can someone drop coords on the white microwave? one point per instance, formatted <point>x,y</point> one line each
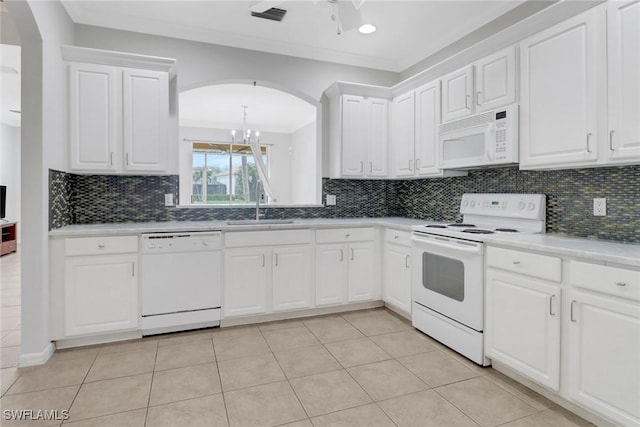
<point>481,140</point>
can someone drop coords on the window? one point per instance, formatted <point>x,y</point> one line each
<point>224,173</point>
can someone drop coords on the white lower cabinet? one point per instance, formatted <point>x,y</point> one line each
<point>604,351</point>
<point>291,278</point>
<point>362,280</point>
<point>245,281</point>
<point>396,285</point>
<point>522,328</point>
<point>101,294</point>
<point>331,274</point>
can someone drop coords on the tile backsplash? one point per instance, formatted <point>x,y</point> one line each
<point>86,199</point>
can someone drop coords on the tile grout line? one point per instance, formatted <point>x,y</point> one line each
<point>153,372</point>
<point>81,384</point>
<point>224,399</point>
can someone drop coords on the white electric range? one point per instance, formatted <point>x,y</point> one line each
<point>448,259</point>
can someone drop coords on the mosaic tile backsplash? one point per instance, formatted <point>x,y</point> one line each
<point>87,199</point>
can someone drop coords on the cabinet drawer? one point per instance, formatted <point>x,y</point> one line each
<point>339,235</point>
<point>615,281</point>
<point>541,266</point>
<point>398,237</point>
<point>100,245</point>
<point>266,238</point>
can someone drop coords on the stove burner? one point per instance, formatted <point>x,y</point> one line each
<point>436,226</point>
<point>507,230</point>
<point>461,224</point>
<point>477,231</point>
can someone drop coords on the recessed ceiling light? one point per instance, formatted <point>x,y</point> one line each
<point>367,29</point>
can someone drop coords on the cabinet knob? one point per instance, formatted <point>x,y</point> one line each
<point>396,237</point>
<point>621,284</point>
<point>347,235</point>
<point>516,262</point>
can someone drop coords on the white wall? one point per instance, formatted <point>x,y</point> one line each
<point>43,27</point>
<point>279,158</point>
<point>304,166</point>
<point>10,170</point>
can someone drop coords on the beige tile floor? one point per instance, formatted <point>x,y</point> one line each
<point>362,368</point>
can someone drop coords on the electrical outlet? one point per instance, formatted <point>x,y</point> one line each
<point>599,207</point>
<point>331,200</point>
<point>168,199</point>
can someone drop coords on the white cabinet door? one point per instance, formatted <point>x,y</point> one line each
<point>378,136</point>
<point>427,119</point>
<point>604,348</point>
<point>145,117</point>
<point>354,135</point>
<point>496,80</point>
<point>362,280</point>
<point>245,281</point>
<point>331,274</point>
<point>558,110</point>
<point>402,135</point>
<point>457,94</point>
<point>101,294</point>
<point>291,278</point>
<point>623,55</point>
<point>94,96</point>
<point>522,328</point>
<point>397,276</point>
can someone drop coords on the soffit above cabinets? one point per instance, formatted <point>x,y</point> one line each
<point>408,31</point>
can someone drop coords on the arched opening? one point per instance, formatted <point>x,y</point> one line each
<point>217,167</point>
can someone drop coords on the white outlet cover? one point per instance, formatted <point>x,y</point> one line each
<point>600,207</point>
<point>168,199</point>
<point>331,200</point>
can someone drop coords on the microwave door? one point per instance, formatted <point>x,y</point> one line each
<point>464,149</point>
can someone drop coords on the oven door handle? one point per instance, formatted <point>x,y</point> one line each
<point>452,244</point>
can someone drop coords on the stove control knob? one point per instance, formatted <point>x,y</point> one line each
<point>532,206</point>
<point>473,204</point>
<point>521,205</point>
<point>465,203</point>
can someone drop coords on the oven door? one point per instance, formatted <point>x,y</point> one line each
<point>448,277</point>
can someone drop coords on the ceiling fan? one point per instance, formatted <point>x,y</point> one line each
<point>345,13</point>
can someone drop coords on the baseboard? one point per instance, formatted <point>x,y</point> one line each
<point>34,359</point>
<point>98,339</point>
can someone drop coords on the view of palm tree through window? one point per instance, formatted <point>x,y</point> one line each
<point>224,173</point>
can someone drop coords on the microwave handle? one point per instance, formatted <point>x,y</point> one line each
<point>490,141</point>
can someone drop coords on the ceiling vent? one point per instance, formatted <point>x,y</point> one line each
<point>273,14</point>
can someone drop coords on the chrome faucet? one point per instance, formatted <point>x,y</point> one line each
<point>258,197</point>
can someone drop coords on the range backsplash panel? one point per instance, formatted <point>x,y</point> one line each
<point>86,199</point>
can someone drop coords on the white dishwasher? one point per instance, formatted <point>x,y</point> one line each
<point>181,275</point>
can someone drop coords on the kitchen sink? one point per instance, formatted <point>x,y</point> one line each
<point>260,221</point>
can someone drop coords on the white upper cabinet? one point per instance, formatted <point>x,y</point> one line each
<point>496,80</point>
<point>93,102</point>
<point>358,131</point>
<point>118,115</point>
<point>623,60</point>
<point>402,135</point>
<point>145,115</point>
<point>457,94</point>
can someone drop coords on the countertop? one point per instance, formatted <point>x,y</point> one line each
<point>596,250</point>
<point>183,226</point>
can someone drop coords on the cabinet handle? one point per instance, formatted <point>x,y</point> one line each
<point>127,158</point>
<point>589,142</point>
<point>276,258</point>
<point>341,255</point>
<point>111,158</point>
<point>611,140</point>
<point>263,260</point>
<point>621,284</point>
<point>466,101</point>
<point>410,166</point>
<point>417,164</point>
<point>101,246</point>
<point>406,261</point>
<point>133,269</point>
<point>478,98</point>
<point>396,237</point>
<point>361,166</point>
<point>370,167</point>
<point>573,319</point>
<point>551,305</point>
<point>516,262</point>
<point>347,235</point>
<point>352,254</point>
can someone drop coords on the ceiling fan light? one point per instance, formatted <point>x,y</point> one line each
<point>367,29</point>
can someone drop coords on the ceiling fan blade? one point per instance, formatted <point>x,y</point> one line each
<point>264,5</point>
<point>349,16</point>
